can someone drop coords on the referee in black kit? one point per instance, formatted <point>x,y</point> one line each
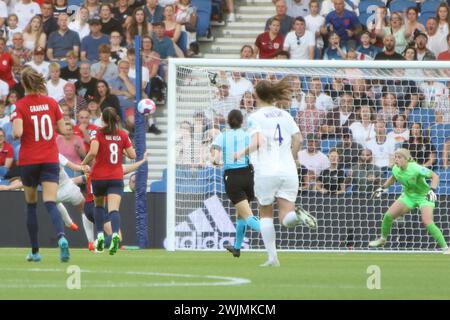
<point>238,176</point>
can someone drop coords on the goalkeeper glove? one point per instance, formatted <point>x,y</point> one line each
<point>431,196</point>
<point>377,193</point>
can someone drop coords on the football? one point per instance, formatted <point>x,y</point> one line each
<point>146,106</point>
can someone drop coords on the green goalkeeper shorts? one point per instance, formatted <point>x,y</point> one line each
<point>416,201</point>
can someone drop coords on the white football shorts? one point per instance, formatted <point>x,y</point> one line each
<point>69,193</point>
<point>268,188</point>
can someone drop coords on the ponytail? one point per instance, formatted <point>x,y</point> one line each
<point>274,92</point>
<point>33,82</point>
<point>111,121</point>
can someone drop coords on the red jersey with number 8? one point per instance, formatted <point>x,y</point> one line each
<point>38,142</point>
<point>108,162</point>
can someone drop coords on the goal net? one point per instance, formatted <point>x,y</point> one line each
<point>352,115</point>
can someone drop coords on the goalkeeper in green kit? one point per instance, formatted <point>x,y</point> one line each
<point>416,193</point>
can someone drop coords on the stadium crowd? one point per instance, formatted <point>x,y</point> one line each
<point>87,57</point>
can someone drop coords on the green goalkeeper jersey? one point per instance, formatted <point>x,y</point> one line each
<point>413,179</point>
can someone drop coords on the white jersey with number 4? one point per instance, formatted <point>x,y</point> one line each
<point>274,157</point>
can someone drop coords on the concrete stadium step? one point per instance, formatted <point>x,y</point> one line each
<point>244,25</point>
<point>260,8</point>
<point>254,17</point>
<point>249,39</point>
<point>221,55</point>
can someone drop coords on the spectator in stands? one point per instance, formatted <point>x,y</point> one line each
<point>422,151</point>
<point>138,25</point>
<point>131,187</point>
<point>297,8</point>
<point>247,52</point>
<point>382,148</point>
<point>132,69</point>
<point>360,93</point>
<point>84,128</point>
<point>389,52</point>
<point>200,127</point>
<point>123,87</point>
<point>443,17</point>
<point>348,149</point>
<point>19,53</point>
<point>95,114</point>
<point>94,8</point>
<point>300,43</point>
<point>223,103</point>
<point>334,51</point>
<point>339,118</point>
<point>437,41</point>
<point>80,24</point>
<point>33,34</point>
<point>4,90</point>
<point>37,62</point>
<point>328,6</point>
<point>6,154</point>
<point>344,23</point>
<point>332,179</point>
<point>163,45</point>
<point>336,87</point>
<point>154,12</point>
<point>445,55</point>
<point>151,58</point>
<point>412,26</point>
<point>363,129</point>
<point>91,43</point>
<point>396,29</point>
<point>55,85</point>
<point>446,154</point>
<point>72,100</point>
<point>25,10</point>
<point>60,6</point>
<point>284,20</point>
<point>87,84</point>
<point>173,30</point>
<point>71,72</point>
<point>104,98</point>
<point>62,41</point>
<point>314,22</point>
<point>310,119</point>
<point>105,69</point>
<point>184,144</point>
<point>323,101</point>
<point>118,52</point>
<point>109,24</point>
<point>400,131</point>
<point>406,91</point>
<point>431,91</point>
<point>388,109</point>
<point>247,105</point>
<point>366,50</point>
<point>4,118</point>
<point>365,176</point>
<point>50,24</point>
<point>186,15</point>
<point>10,101</point>
<point>71,146</point>
<point>442,107</point>
<point>239,85</point>
<point>269,43</point>
<point>410,54</point>
<point>312,162</point>
<point>423,53</point>
<point>11,28</point>
<point>122,12</point>
<point>66,114</point>
<point>298,96</point>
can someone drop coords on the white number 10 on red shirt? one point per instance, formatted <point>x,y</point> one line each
<point>46,122</point>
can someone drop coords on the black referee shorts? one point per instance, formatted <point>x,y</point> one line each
<point>239,184</point>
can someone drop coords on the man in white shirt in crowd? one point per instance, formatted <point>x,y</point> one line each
<point>55,86</point>
<point>382,148</point>
<point>3,14</point>
<point>38,63</point>
<point>314,21</point>
<point>239,85</point>
<point>25,10</point>
<point>300,43</point>
<point>312,162</point>
<point>323,101</point>
<point>297,8</point>
<point>437,41</point>
<point>4,90</point>
<point>224,102</point>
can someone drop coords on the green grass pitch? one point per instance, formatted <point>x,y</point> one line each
<point>157,274</point>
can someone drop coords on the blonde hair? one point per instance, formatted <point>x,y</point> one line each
<point>404,153</point>
<point>274,92</point>
<point>32,81</point>
<point>54,66</point>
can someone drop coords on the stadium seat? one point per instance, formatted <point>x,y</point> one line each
<point>425,116</point>
<point>327,144</point>
<point>430,6</point>
<point>439,133</point>
<point>369,7</point>
<point>160,186</point>
<point>401,5</point>
<point>203,16</point>
<point>183,41</point>
<point>365,18</point>
<point>395,188</point>
<point>424,17</point>
<point>444,181</point>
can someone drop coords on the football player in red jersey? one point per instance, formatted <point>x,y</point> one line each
<point>108,145</point>
<point>35,120</point>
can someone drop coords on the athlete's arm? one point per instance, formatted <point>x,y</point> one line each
<point>14,185</point>
<point>389,182</point>
<point>296,144</point>
<point>215,155</point>
<point>256,143</point>
<point>76,167</point>
<point>93,150</point>
<point>130,153</point>
<point>78,180</point>
<point>434,181</point>
<point>132,167</point>
<point>61,126</point>
<point>17,128</point>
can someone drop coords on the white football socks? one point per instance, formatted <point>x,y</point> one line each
<point>269,237</point>
<point>290,220</point>
<point>88,228</point>
<point>64,214</point>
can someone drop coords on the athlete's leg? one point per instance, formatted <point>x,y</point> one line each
<point>68,222</point>
<point>427,219</point>
<point>31,197</point>
<point>113,208</point>
<point>268,234</point>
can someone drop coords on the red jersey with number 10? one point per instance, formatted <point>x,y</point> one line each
<point>38,142</point>
<point>108,162</point>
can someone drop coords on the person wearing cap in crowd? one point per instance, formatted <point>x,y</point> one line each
<point>91,43</point>
<point>71,72</point>
<point>416,193</point>
<point>423,53</point>
<point>224,102</point>
<point>38,63</point>
<point>62,41</point>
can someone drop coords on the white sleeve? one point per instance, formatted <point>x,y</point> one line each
<point>311,41</point>
<point>62,160</point>
<point>253,126</point>
<point>293,127</point>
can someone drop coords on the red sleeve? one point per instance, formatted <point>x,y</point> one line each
<point>127,142</point>
<point>94,135</point>
<point>58,112</point>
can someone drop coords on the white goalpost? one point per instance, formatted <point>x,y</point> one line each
<point>201,217</point>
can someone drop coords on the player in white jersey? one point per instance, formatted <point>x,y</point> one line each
<point>275,144</point>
